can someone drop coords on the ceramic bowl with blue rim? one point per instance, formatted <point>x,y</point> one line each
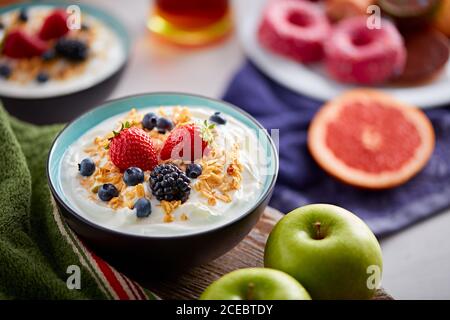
<point>105,38</point>
<point>63,75</point>
<point>197,229</point>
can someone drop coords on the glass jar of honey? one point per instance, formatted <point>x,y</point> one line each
<point>191,22</point>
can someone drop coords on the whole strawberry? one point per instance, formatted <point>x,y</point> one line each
<point>132,147</point>
<point>187,142</point>
<point>54,26</point>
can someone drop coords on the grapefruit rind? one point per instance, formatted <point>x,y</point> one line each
<point>338,169</point>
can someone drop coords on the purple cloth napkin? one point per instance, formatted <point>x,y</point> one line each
<point>302,182</point>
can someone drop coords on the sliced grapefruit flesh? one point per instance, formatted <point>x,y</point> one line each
<point>368,139</point>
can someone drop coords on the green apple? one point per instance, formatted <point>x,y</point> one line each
<point>329,250</point>
<point>255,284</point>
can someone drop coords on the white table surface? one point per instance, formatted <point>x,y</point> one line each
<point>416,260</point>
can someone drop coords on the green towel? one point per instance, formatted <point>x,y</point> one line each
<point>40,257</point>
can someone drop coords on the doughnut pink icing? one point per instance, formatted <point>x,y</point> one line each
<point>357,54</point>
<point>295,29</point>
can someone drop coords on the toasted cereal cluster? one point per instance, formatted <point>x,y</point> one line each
<point>218,179</point>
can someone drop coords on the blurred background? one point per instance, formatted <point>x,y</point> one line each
<point>416,259</point>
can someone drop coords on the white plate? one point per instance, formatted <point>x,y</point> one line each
<point>312,81</point>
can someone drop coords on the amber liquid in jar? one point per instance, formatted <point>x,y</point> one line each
<point>190,22</point>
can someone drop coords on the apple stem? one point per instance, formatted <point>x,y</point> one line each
<point>318,234</point>
<point>250,290</point>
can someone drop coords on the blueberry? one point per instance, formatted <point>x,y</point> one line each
<point>193,170</point>
<point>107,192</point>
<point>133,176</point>
<point>163,125</point>
<point>23,15</point>
<point>42,77</point>
<point>86,167</point>
<point>217,118</point>
<point>84,27</point>
<point>2,26</point>
<point>143,207</point>
<point>48,55</point>
<point>5,71</point>
<point>149,121</point>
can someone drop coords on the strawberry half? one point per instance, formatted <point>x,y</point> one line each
<point>132,147</point>
<point>186,142</point>
<point>54,26</point>
<point>18,44</point>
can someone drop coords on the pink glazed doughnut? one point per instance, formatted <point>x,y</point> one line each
<point>295,29</point>
<point>357,54</point>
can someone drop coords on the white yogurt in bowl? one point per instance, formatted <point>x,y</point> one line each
<point>226,196</point>
<point>107,52</point>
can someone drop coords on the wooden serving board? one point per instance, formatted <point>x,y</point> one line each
<point>249,253</point>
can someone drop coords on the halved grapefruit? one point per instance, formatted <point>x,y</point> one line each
<point>368,139</point>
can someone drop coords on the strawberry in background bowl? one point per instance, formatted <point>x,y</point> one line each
<point>54,25</point>
<point>19,45</point>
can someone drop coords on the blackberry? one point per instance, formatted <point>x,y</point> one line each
<point>169,183</point>
<point>71,49</point>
